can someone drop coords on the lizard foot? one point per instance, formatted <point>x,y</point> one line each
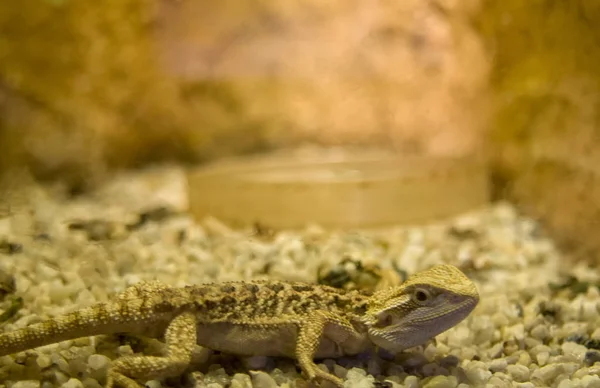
<point>318,375</point>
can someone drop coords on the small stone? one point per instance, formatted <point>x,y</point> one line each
<point>27,384</point>
<point>450,361</point>
<point>525,385</point>
<point>538,349</point>
<point>518,372</point>
<point>124,350</point>
<point>566,383</point>
<point>91,383</point>
<point>430,351</point>
<point>460,337</point>
<point>242,379</point>
<point>261,379</point>
<point>542,358</point>
<point>498,382</point>
<point>531,342</point>
<point>498,365</point>
<point>61,377</point>
<point>72,383</point>
<point>340,371</point>
<point>573,351</point>
<point>547,373</point>
<point>395,370</point>
<point>235,384</point>
<point>356,372</point>
<point>373,367</point>
<point>477,375</point>
<point>357,378</point>
<point>43,361</point>
<point>60,361</point>
<point>589,311</point>
<point>580,373</point>
<point>411,382</point>
<point>590,381</point>
<point>591,357</point>
<point>524,358</point>
<point>152,384</point>
<point>411,360</point>
<point>540,332</point>
<point>496,350</point>
<point>256,362</point>
<point>98,361</point>
<point>433,369</point>
<point>441,382</point>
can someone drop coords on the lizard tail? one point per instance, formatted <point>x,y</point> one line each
<point>102,318</point>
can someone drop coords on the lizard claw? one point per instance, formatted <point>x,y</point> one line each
<point>317,375</point>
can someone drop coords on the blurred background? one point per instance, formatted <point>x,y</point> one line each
<point>88,89</point>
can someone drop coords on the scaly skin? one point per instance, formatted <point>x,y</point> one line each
<point>270,318</point>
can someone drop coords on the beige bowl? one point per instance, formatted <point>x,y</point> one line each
<point>339,191</point>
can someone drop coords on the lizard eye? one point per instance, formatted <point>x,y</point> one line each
<point>421,295</point>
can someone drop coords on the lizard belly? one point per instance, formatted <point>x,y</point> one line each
<point>274,341</point>
<point>249,340</point>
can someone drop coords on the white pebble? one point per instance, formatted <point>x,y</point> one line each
<point>60,361</point>
<point>44,361</point>
<point>98,361</point>
<point>340,371</point>
<point>518,372</point>
<point>242,379</point>
<point>540,332</point>
<point>261,379</point>
<point>27,384</point>
<point>573,350</point>
<point>591,381</point>
<point>91,383</point>
<point>152,384</point>
<point>498,365</point>
<point>542,358</point>
<point>547,373</point>
<point>430,351</point>
<point>72,383</point>
<point>498,382</point>
<point>566,383</point>
<point>441,382</point>
<point>478,375</point>
<point>411,382</point>
<point>357,378</point>
<point>125,350</point>
<point>524,358</point>
<point>461,336</point>
<point>355,373</point>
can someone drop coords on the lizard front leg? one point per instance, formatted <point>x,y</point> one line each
<point>311,333</point>
<point>180,338</point>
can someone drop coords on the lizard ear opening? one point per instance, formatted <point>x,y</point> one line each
<point>384,319</point>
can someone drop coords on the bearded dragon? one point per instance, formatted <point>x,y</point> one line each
<point>269,318</point>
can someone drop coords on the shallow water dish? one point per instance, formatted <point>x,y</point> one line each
<point>339,191</point>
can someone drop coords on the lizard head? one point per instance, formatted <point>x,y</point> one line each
<point>427,304</point>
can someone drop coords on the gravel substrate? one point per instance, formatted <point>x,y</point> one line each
<point>534,327</point>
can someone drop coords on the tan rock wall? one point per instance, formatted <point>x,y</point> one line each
<point>90,86</point>
<point>546,125</point>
